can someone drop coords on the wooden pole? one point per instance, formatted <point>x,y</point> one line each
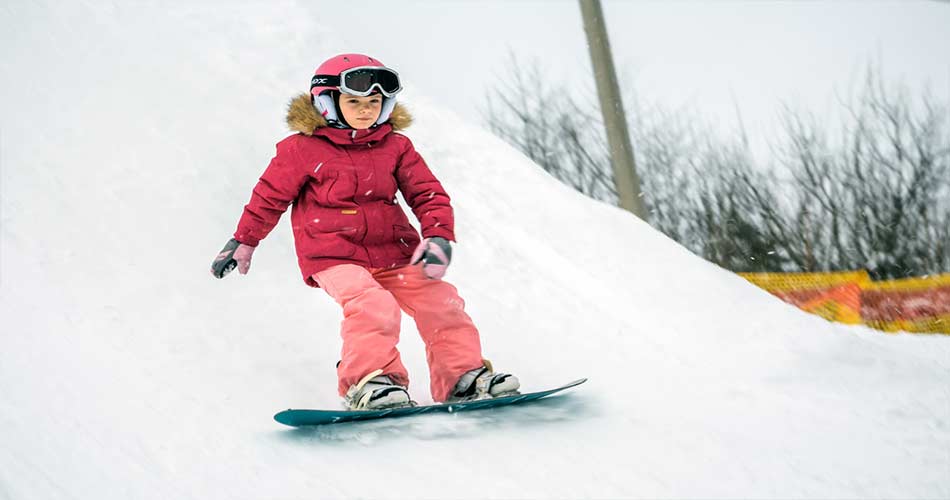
<point>611,105</point>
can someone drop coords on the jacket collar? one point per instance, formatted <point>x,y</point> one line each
<point>348,136</point>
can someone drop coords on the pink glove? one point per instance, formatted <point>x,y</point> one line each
<point>234,254</point>
<point>435,254</point>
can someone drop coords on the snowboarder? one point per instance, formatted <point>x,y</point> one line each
<point>341,171</point>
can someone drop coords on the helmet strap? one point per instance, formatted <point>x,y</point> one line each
<point>340,120</point>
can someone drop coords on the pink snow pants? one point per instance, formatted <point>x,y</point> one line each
<point>371,300</point>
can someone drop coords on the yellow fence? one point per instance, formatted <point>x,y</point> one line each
<point>911,305</point>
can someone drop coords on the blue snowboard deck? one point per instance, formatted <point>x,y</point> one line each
<point>299,418</point>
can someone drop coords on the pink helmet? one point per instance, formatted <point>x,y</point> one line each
<point>355,74</point>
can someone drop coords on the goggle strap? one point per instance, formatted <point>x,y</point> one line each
<point>324,81</point>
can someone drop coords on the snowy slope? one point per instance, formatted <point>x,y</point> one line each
<point>130,138</point>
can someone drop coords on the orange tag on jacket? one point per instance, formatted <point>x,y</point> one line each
<point>348,211</point>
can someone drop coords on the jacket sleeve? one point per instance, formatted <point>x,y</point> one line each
<point>424,193</point>
<point>277,188</point>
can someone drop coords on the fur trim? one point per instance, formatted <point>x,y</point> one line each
<point>400,118</point>
<point>303,117</point>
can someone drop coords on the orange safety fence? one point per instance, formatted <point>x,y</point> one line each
<point>911,305</point>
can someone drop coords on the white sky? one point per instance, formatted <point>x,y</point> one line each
<point>707,55</point>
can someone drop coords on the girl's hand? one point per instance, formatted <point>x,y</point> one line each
<point>234,255</point>
<point>435,255</point>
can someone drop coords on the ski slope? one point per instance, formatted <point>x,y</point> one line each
<point>131,135</point>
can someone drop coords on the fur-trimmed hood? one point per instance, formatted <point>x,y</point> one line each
<point>303,117</point>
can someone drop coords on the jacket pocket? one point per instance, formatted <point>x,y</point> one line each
<point>336,183</point>
<point>328,239</point>
<point>406,238</point>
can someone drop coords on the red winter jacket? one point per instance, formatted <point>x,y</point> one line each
<point>343,183</point>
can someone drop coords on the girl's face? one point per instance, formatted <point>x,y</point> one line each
<point>361,112</point>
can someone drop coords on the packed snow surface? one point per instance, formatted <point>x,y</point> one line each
<point>131,135</point>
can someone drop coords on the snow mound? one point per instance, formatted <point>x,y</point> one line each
<point>131,136</point>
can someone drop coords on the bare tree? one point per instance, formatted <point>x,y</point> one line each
<point>881,199</point>
<point>878,198</point>
<point>551,128</point>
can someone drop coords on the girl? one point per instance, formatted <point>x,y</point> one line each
<point>341,172</point>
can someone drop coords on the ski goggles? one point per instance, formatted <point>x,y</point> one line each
<point>361,81</point>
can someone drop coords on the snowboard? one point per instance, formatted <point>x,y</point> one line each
<point>299,418</point>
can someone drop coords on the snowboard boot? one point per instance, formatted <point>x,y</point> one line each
<point>483,383</point>
<point>376,392</point>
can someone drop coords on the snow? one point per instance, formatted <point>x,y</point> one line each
<point>131,136</point>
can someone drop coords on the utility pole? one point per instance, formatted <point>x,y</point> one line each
<point>618,138</point>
